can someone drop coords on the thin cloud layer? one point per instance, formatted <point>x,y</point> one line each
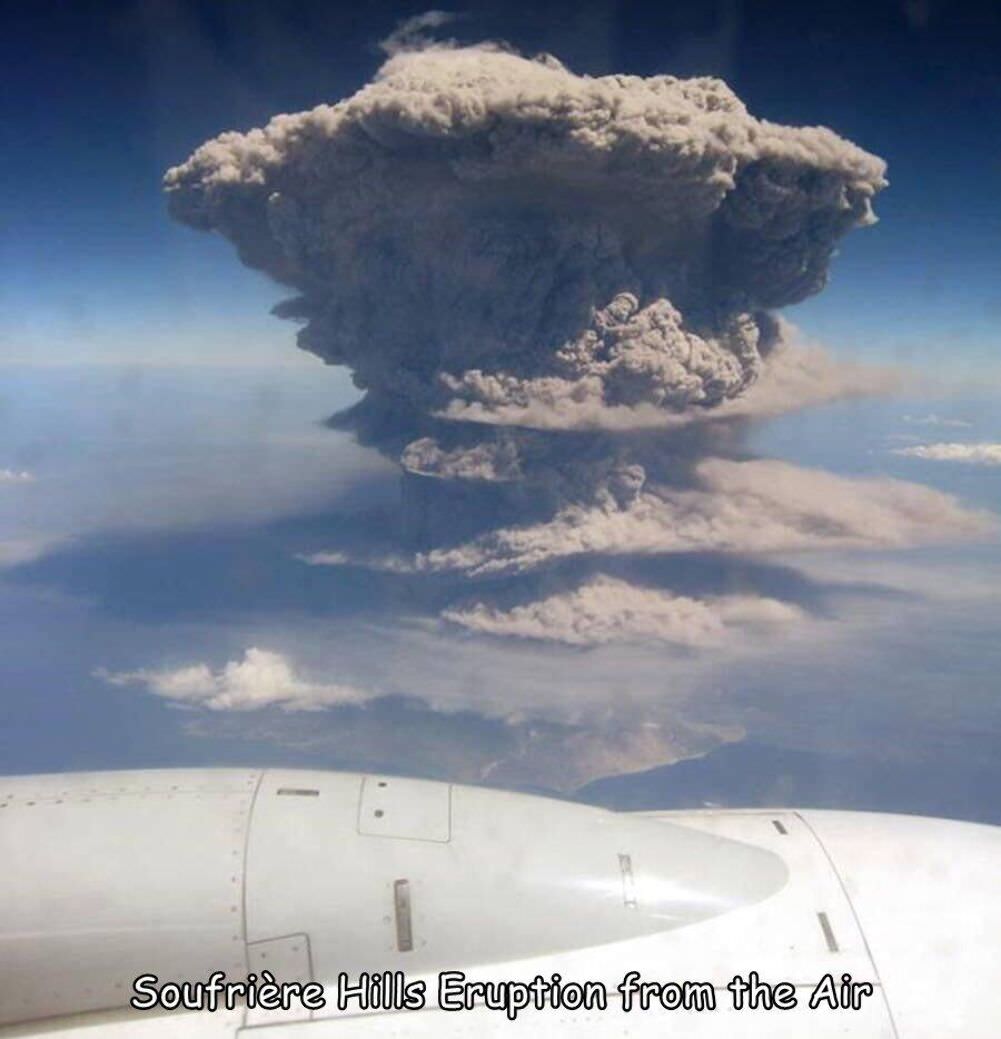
<point>971,454</point>
<point>15,476</point>
<point>261,679</point>
<point>17,551</point>
<point>937,420</point>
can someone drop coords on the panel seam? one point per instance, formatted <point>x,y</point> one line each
<point>858,921</point>
<point>246,853</point>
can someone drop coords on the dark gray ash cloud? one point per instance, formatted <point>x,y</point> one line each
<point>474,226</point>
<point>558,293</point>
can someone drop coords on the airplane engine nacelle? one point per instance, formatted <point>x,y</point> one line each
<point>180,874</point>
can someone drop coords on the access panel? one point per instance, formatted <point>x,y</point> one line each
<point>410,809</point>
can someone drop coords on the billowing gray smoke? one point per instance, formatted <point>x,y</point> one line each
<point>558,293</point>
<point>477,227</point>
<point>555,290</point>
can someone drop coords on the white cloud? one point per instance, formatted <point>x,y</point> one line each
<point>17,551</point>
<point>261,679</point>
<point>384,562</point>
<point>412,33</point>
<point>937,420</point>
<point>606,609</point>
<point>974,454</point>
<point>15,476</point>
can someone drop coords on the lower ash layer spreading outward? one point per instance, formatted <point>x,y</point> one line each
<point>557,293</point>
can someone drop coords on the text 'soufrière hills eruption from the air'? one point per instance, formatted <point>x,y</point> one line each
<point>558,293</point>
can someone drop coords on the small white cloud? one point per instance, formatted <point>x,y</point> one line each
<point>15,476</point>
<point>937,420</point>
<point>379,561</point>
<point>261,679</point>
<point>412,34</point>
<point>972,454</point>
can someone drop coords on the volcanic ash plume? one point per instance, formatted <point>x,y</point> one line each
<point>475,228</point>
<point>553,288</point>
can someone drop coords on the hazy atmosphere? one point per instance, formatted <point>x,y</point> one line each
<point>595,399</point>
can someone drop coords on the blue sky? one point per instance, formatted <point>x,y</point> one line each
<point>103,97</point>
<point>180,469</point>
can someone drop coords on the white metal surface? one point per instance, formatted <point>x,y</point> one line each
<point>520,877</point>
<point>288,959</point>
<point>407,808</point>
<point>799,1023</point>
<point>928,896</point>
<point>107,876</point>
<point>789,941</point>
